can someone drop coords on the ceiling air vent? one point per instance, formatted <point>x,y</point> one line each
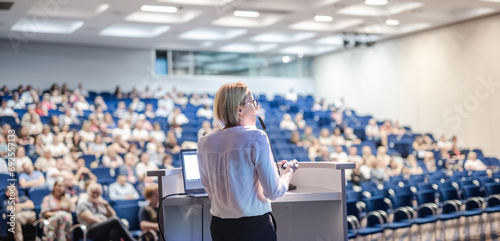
<point>6,5</point>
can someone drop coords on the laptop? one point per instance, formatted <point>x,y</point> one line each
<point>191,174</point>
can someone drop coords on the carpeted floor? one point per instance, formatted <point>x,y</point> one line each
<point>471,229</point>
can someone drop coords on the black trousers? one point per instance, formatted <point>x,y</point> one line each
<point>111,229</point>
<point>256,228</point>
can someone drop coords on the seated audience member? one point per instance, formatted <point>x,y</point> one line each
<point>71,157</point>
<point>195,99</point>
<point>299,121</point>
<point>295,139</point>
<point>337,138</point>
<point>385,130</point>
<point>176,120</point>
<point>72,190</point>
<point>144,165</point>
<point>122,130</point>
<point>82,173</point>
<point>419,146</point>
<point>457,158</point>
<point>287,123</point>
<point>85,133</point>
<point>7,111</point>
<point>314,150</point>
<point>372,131</point>
<point>58,148</point>
<point>156,151</point>
<point>157,133</point>
<point>171,144</point>
<point>24,137</point>
<point>378,173</point>
<point>350,137</point>
<point>395,168</point>
<point>47,136</point>
<point>137,105</point>
<point>324,155</point>
<point>97,147</point>
<point>430,162</point>
<point>319,105</point>
<point>181,99</point>
<point>54,124</point>
<point>474,164</point>
<point>367,166</point>
<point>46,161</point>
<point>206,112</point>
<point>148,214</point>
<point>100,217</point>
<point>21,158</point>
<point>120,145</point>
<point>357,176</point>
<point>308,136</point>
<point>66,134</point>
<point>429,143</point>
<point>26,119</point>
<point>100,103</point>
<point>35,126</point>
<point>206,100</point>
<point>68,118</point>
<point>382,156</point>
<point>16,103</point>
<point>121,189</point>
<point>110,122</point>
<point>121,110</point>
<point>59,171</point>
<point>56,208</point>
<point>339,155</point>
<point>167,102</point>
<point>146,94</point>
<point>206,128</point>
<point>325,139</point>
<point>140,133</point>
<point>353,155</point>
<point>412,167</point>
<point>112,159</point>
<point>30,178</point>
<point>24,211</point>
<point>443,143</point>
<point>129,168</point>
<point>167,162</point>
<point>159,92</point>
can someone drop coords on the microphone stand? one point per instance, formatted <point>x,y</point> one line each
<point>290,185</point>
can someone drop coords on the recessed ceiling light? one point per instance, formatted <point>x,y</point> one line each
<point>246,14</point>
<point>376,2</point>
<point>323,18</point>
<point>159,9</point>
<point>392,22</point>
<point>285,59</point>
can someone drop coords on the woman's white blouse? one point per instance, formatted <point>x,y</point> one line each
<point>238,172</point>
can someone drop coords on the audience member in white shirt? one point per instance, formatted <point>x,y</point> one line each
<point>44,162</point>
<point>299,121</point>
<point>121,110</point>
<point>206,128</point>
<point>158,134</point>
<point>58,148</point>
<point>206,100</point>
<point>205,112</point>
<point>21,159</point>
<point>139,133</point>
<point>474,164</point>
<point>85,133</point>
<point>339,155</point>
<point>287,123</point>
<point>195,100</point>
<point>7,111</point>
<point>122,130</point>
<point>144,165</point>
<point>147,93</point>
<point>372,130</point>
<point>166,103</point>
<point>16,103</point>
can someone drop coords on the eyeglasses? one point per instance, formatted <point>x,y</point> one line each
<point>254,102</point>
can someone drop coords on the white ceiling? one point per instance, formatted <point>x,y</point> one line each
<point>283,26</point>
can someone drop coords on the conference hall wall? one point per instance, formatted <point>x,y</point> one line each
<point>103,68</point>
<point>445,80</point>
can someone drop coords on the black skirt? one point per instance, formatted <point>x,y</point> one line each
<point>256,228</point>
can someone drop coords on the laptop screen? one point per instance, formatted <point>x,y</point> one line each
<point>190,170</point>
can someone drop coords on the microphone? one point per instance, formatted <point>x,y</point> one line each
<point>290,186</point>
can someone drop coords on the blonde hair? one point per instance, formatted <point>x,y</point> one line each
<point>226,102</point>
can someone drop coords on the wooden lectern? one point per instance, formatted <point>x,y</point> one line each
<point>315,211</point>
